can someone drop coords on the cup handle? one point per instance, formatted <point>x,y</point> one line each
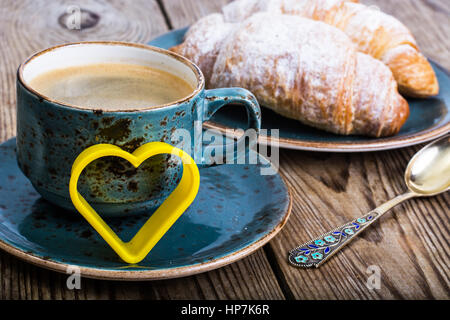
<point>216,99</point>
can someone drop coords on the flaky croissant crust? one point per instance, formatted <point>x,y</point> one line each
<point>300,68</point>
<point>372,31</point>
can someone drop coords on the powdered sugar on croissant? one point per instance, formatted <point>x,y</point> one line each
<point>302,69</point>
<point>373,32</point>
<point>203,41</point>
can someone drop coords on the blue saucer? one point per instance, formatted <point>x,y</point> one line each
<point>237,210</point>
<point>428,119</point>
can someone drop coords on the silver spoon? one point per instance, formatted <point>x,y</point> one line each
<point>427,174</point>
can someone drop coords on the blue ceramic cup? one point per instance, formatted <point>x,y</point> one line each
<point>51,134</point>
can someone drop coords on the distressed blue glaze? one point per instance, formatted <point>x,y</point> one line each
<point>234,209</point>
<point>425,114</point>
<point>51,135</point>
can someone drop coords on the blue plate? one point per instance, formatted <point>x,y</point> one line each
<point>429,119</point>
<point>237,210</point>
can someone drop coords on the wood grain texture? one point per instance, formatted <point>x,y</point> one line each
<point>428,20</point>
<point>250,278</point>
<point>410,244</point>
<point>183,13</point>
<point>28,26</point>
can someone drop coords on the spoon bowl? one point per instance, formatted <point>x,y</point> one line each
<point>428,172</point>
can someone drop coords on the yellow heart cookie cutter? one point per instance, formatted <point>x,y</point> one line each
<point>161,220</point>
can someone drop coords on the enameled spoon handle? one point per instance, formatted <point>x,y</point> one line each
<point>318,250</point>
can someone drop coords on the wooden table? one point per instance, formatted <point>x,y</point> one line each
<point>410,245</point>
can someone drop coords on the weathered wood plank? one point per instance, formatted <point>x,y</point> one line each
<point>250,278</point>
<point>428,20</point>
<point>409,245</point>
<point>28,26</point>
<point>183,13</point>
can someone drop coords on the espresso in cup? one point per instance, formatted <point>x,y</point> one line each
<point>77,95</point>
<point>112,86</point>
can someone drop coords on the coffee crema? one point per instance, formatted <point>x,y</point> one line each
<point>111,86</point>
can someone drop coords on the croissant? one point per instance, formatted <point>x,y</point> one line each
<point>372,31</point>
<point>300,68</point>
